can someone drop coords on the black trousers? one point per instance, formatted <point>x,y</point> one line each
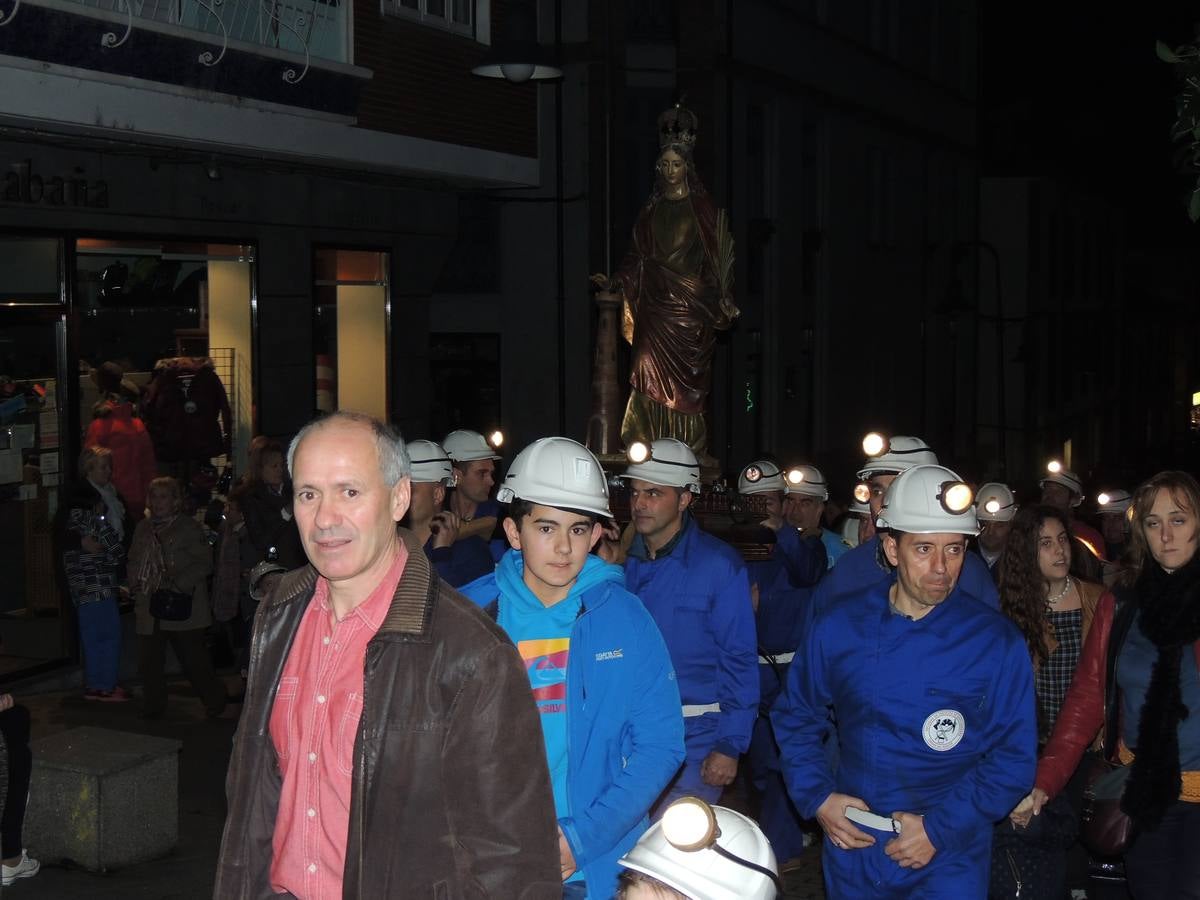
<point>193,655</point>
<point>14,725</point>
<point>1165,863</point>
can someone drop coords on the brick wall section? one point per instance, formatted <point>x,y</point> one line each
<point>423,85</point>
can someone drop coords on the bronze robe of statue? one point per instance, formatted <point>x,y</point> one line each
<point>671,313</point>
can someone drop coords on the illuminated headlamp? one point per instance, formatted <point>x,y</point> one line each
<point>1054,467</point>
<point>752,474</point>
<point>496,438</point>
<point>874,444</point>
<point>862,492</point>
<point>956,497</point>
<point>690,825</point>
<point>638,452</point>
<point>992,506</point>
<point>1103,498</point>
<point>795,476</point>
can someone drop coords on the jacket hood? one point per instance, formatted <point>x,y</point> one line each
<point>510,580</point>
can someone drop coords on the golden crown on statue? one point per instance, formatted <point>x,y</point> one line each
<point>677,126</point>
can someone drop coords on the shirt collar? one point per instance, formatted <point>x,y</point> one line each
<point>374,609</point>
<point>638,547</point>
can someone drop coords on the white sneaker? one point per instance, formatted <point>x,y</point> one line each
<point>26,868</point>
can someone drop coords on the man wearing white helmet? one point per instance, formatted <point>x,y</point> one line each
<point>436,529</point>
<point>865,565</point>
<point>600,672</point>
<point>1063,490</point>
<point>933,695</point>
<point>474,462</point>
<point>701,852</point>
<point>995,507</point>
<point>783,584</point>
<point>696,588</point>
<point>804,506</point>
<point>1113,509</point>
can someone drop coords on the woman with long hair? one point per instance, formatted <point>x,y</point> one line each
<point>1052,608</point>
<point>1147,640</point>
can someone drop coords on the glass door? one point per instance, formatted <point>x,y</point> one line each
<point>36,625</point>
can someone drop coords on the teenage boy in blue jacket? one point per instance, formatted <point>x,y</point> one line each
<point>600,672</point>
<point>696,588</point>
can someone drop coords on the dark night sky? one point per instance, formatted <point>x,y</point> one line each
<point>1077,92</point>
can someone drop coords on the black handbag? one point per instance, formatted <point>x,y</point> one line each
<point>1106,830</point>
<point>171,606</point>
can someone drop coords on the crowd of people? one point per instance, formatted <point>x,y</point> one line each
<point>464,683</point>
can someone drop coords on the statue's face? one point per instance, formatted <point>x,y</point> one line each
<point>671,168</point>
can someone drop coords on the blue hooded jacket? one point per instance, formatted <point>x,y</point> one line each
<point>624,727</point>
<point>699,595</point>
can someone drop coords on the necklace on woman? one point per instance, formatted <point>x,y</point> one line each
<point>1050,601</point>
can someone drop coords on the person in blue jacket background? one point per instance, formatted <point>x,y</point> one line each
<point>806,493</point>
<point>456,559</point>
<point>936,720</point>
<point>695,587</point>
<point>866,565</point>
<point>780,587</point>
<point>599,669</point>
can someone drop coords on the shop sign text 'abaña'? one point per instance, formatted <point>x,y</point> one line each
<point>23,185</point>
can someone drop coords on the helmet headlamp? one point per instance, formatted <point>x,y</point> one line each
<point>992,506</point>
<point>956,497</point>
<point>496,438</point>
<point>874,444</point>
<point>752,474</point>
<point>862,492</point>
<point>638,452</point>
<point>1054,467</point>
<point>795,476</point>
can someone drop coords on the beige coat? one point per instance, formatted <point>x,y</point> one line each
<point>189,562</point>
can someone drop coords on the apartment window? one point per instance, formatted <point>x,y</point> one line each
<point>459,16</point>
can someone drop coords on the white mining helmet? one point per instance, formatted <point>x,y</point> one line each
<point>558,472</point>
<point>708,853</point>
<point>468,446</point>
<point>890,456</point>
<point>759,477</point>
<point>994,502</point>
<point>430,464</point>
<point>929,500</point>
<point>1114,503</point>
<point>806,481</point>
<point>666,462</point>
<point>1056,474</point>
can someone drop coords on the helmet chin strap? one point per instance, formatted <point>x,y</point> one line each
<point>721,851</point>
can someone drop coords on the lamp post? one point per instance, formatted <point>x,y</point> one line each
<point>517,57</point>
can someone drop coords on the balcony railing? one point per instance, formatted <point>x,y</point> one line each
<point>311,28</point>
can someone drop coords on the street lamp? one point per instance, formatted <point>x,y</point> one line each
<point>517,57</point>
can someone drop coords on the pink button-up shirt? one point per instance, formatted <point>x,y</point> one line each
<point>313,725</point>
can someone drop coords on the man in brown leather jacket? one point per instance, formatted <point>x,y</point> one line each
<point>388,745</point>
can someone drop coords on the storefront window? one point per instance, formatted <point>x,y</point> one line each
<point>351,330</point>
<point>171,317</point>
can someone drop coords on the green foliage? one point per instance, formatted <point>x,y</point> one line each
<point>1185,59</point>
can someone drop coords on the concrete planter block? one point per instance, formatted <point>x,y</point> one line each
<point>103,799</point>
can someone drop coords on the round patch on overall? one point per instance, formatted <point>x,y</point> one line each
<point>944,729</point>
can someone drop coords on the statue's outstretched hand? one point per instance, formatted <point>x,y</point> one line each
<point>728,309</point>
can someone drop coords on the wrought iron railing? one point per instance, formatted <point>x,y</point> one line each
<point>309,28</point>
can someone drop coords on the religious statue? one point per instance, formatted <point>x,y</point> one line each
<point>675,286</point>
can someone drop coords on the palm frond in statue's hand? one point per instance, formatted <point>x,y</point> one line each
<point>725,260</point>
